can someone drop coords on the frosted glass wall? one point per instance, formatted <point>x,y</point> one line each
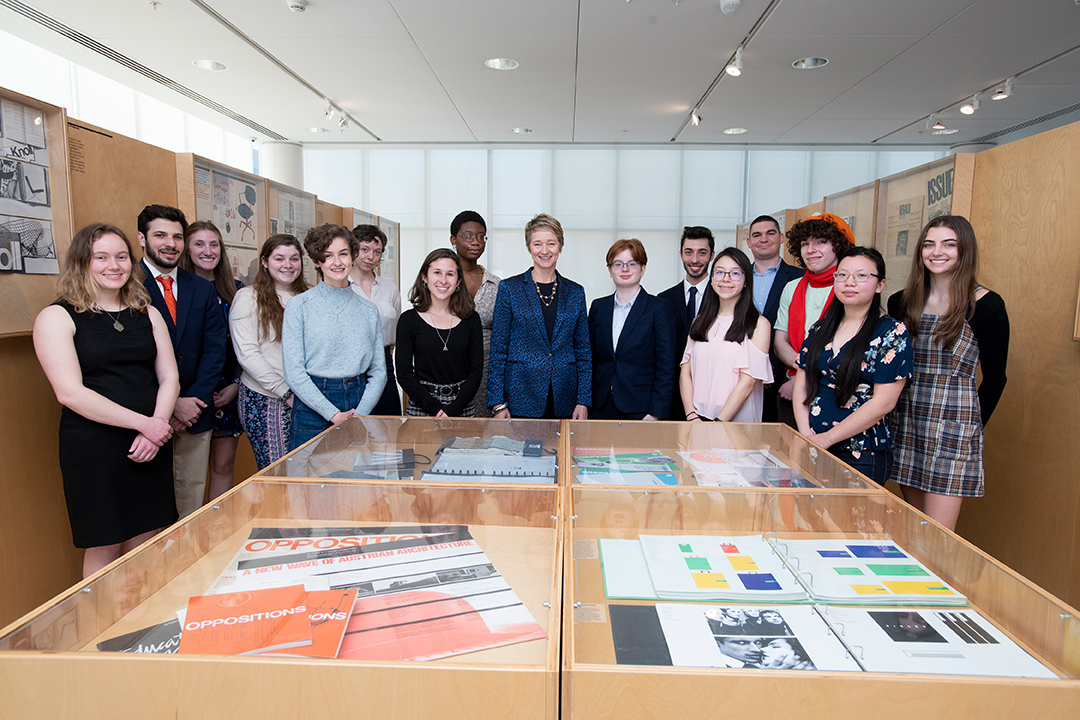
<point>598,194</point>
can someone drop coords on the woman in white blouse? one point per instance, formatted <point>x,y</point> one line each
<point>265,399</point>
<point>384,293</point>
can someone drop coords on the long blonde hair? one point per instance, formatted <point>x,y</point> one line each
<point>77,286</point>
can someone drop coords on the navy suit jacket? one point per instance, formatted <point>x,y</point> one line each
<point>784,274</point>
<point>677,298</point>
<point>641,370</point>
<point>198,338</point>
<point>522,363</point>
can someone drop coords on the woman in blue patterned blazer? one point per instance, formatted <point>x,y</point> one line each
<point>541,363</point>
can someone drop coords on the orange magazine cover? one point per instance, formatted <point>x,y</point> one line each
<point>328,615</point>
<point>246,623</point>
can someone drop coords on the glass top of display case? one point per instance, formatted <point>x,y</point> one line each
<point>704,455</point>
<point>859,579</point>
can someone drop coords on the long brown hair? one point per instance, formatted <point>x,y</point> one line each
<point>268,304</point>
<point>224,282</point>
<point>77,287</point>
<point>962,282</point>
<point>461,302</point>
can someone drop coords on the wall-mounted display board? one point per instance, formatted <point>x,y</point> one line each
<point>327,213</point>
<point>35,207</point>
<point>455,615</point>
<point>389,267</point>
<point>235,201</point>
<point>113,177</point>
<point>857,206</point>
<point>908,200</point>
<point>292,211</point>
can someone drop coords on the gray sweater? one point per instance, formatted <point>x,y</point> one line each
<point>331,332</point>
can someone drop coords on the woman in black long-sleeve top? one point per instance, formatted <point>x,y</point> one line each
<point>440,342</point>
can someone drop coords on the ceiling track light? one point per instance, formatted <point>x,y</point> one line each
<point>343,122</point>
<point>971,106</point>
<point>695,117</point>
<point>930,121</point>
<point>734,68</point>
<point>938,125</point>
<point>329,112</point>
<point>1003,92</point>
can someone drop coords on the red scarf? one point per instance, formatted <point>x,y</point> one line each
<point>797,310</point>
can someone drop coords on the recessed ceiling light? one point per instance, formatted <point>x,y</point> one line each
<point>521,131</point>
<point>501,63</point>
<point>211,65</point>
<point>946,131</point>
<point>810,63</point>
<point>734,131</point>
<point>317,130</point>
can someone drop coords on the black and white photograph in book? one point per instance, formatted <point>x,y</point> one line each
<point>756,638</point>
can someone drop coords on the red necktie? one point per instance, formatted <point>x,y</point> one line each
<point>170,301</point>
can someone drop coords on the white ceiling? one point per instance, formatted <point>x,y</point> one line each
<point>591,71</point>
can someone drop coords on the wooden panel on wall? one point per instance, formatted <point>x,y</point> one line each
<point>858,206</point>
<point>1024,212</point>
<point>22,296</point>
<point>328,213</point>
<point>37,559</point>
<point>116,177</point>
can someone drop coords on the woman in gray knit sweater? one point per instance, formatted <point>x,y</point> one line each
<point>332,344</point>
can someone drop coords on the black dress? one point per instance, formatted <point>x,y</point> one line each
<point>110,498</point>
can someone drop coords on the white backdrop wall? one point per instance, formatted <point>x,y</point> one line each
<point>598,194</point>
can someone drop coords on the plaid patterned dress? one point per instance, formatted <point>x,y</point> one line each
<point>937,427</point>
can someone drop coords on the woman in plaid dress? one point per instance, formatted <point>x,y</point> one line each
<point>957,326</point>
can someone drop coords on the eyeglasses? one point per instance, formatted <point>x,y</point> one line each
<point>859,277</point>
<point>733,275</point>
<point>619,265</point>
<point>468,237</point>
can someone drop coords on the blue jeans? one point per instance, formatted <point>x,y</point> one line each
<point>343,393</point>
<point>874,465</point>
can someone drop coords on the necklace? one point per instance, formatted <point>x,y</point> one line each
<point>117,325</point>
<point>339,308</point>
<point>431,321</point>
<point>550,298</point>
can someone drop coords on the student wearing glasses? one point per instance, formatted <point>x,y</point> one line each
<point>633,343</point>
<point>726,362</point>
<point>852,368</point>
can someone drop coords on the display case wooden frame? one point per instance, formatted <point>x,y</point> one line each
<point>49,667</point>
<point>594,686</point>
<point>859,207</point>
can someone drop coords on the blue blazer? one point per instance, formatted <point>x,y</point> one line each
<point>522,363</point>
<point>640,372</point>
<point>198,338</point>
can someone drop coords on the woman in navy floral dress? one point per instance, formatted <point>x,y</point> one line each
<point>852,369</point>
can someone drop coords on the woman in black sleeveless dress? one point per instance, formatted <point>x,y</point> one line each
<point>108,356</point>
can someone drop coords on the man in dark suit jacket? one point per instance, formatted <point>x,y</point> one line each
<point>696,250</point>
<point>771,274</point>
<point>189,305</point>
<point>633,343</point>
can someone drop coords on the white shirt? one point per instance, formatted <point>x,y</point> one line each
<point>155,274</point>
<point>387,299</point>
<point>700,292</point>
<point>619,315</point>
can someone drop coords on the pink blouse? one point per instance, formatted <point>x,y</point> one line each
<point>715,367</point>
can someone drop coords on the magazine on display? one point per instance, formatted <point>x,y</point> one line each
<point>328,615</point>
<point>726,467</point>
<point>163,638</point>
<point>246,622</point>
<point>862,572</point>
<point>622,461</point>
<point>947,641</point>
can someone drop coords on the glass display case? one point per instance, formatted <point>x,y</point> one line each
<point>630,651</point>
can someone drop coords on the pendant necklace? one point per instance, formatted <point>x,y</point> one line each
<point>431,320</point>
<point>550,298</point>
<point>117,325</point>
<point>339,308</point>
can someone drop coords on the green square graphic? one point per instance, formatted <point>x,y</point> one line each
<point>848,571</point>
<point>899,570</point>
<point>697,563</point>
<point>685,547</point>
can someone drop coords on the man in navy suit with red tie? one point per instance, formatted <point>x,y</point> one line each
<point>696,250</point>
<point>189,305</point>
<point>633,343</point>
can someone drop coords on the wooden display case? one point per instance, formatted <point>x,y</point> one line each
<point>687,443</point>
<point>50,667</point>
<point>595,686</point>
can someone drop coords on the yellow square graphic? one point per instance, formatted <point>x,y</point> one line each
<point>742,563</point>
<point>869,590</point>
<point>911,587</point>
<point>710,581</point>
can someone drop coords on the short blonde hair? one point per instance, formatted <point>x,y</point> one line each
<point>543,222</point>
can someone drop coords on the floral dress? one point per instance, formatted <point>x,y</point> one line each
<point>887,360</point>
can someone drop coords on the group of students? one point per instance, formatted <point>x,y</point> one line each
<point>161,365</point>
